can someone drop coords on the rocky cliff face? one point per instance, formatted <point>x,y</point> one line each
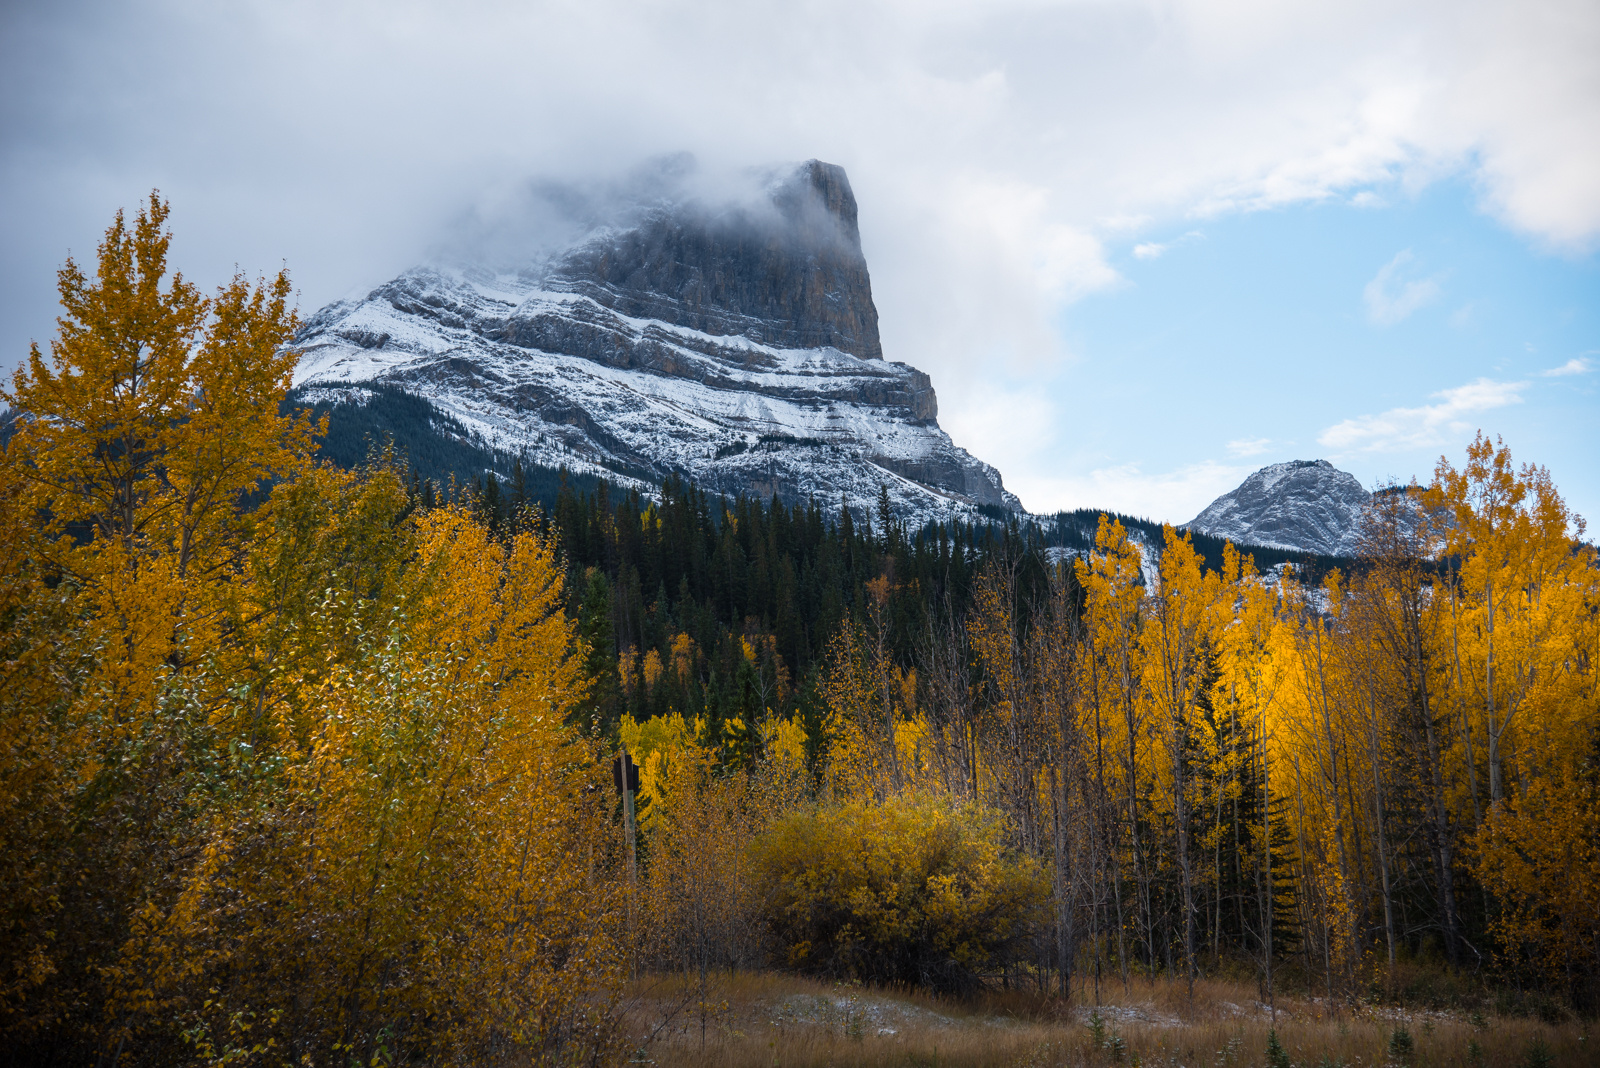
<point>1303,505</point>
<point>732,342</point>
<point>788,272</point>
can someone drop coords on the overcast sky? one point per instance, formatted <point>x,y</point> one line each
<point>1142,248</point>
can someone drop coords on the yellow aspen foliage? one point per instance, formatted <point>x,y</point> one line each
<point>288,775</point>
<point>702,911</point>
<point>154,416</point>
<point>992,633</point>
<point>1249,675</point>
<point>652,670</point>
<point>1176,644</point>
<point>285,775</point>
<point>430,845</point>
<point>917,752</point>
<point>784,742</point>
<point>685,657</point>
<point>1520,588</point>
<point>655,745</point>
<point>1179,634</point>
<point>1114,599</point>
<point>628,671</point>
<point>912,890</point>
<point>1539,855</point>
<point>331,562</point>
<point>856,763</point>
<point>45,754</point>
<point>1111,578</point>
<point>139,445</point>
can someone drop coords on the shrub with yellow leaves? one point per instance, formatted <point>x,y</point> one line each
<point>913,890</point>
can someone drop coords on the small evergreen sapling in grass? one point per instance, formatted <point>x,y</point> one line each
<point>1401,1047</point>
<point>1538,1056</point>
<point>1277,1056</point>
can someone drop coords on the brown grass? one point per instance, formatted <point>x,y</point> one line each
<point>769,1019</point>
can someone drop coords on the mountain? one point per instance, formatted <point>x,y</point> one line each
<point>1303,505</point>
<point>725,336</point>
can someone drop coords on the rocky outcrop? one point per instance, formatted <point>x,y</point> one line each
<point>732,343</point>
<point>787,272</point>
<point>1303,505</point>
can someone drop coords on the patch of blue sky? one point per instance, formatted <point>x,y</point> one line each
<point>1377,331</point>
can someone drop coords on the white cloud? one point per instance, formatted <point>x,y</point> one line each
<point>1018,428</point>
<point>1010,426</point>
<point>993,146</point>
<point>1249,446</point>
<point>1391,296</point>
<point>1525,93</point>
<point>1428,426</point>
<point>1150,250</point>
<point>1174,496</point>
<point>1578,365</point>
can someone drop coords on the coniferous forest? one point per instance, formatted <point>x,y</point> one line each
<point>309,763</point>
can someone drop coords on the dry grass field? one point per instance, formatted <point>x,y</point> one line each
<point>764,1019</point>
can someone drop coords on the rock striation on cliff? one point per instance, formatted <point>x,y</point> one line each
<point>731,341</point>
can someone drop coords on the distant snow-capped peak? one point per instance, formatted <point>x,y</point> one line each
<point>1301,505</point>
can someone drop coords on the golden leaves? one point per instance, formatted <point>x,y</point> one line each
<point>289,770</point>
<point>911,890</point>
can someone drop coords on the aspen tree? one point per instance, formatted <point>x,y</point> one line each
<point>141,435</point>
<point>1111,580</point>
<point>322,797</point>
<point>1398,542</point>
<point>1511,530</point>
<point>140,441</point>
<point>997,649</point>
<point>1175,643</point>
<point>1483,499</point>
<point>879,591</point>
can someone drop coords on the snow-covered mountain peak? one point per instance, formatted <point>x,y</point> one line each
<point>733,342</point>
<point>1301,505</point>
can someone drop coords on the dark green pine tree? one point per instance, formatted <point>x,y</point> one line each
<point>886,525</point>
<point>519,486</point>
<point>603,707</point>
<point>493,507</point>
<point>742,742</point>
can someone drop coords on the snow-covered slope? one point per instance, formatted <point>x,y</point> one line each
<point>734,343</point>
<point>1302,505</point>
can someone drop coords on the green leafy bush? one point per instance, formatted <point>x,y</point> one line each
<point>914,890</point>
